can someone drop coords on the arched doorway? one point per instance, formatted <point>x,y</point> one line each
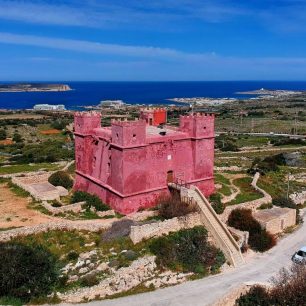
<point>170,177</point>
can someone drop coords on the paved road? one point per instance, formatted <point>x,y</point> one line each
<point>208,290</point>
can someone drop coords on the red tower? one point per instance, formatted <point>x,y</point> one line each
<point>129,164</point>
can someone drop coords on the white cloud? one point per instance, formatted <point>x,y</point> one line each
<point>98,48</point>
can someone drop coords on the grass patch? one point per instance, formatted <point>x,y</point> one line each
<point>60,243</point>
<point>222,180</point>
<point>28,168</point>
<point>247,192</point>
<point>18,191</point>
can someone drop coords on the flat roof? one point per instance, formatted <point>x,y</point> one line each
<point>155,131</point>
<point>266,215</point>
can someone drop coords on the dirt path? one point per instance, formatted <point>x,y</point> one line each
<point>14,211</point>
<point>236,189</point>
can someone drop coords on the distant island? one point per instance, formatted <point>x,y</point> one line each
<point>272,92</point>
<point>32,87</point>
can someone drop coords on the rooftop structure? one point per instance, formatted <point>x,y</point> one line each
<point>130,163</point>
<point>154,116</point>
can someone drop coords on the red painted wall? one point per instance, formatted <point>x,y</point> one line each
<point>127,167</point>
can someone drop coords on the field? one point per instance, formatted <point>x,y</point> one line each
<point>15,210</point>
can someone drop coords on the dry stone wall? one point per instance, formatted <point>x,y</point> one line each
<point>156,229</point>
<point>76,207</point>
<point>92,226</point>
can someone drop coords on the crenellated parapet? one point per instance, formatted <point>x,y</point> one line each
<point>86,122</point>
<point>128,133</point>
<point>128,123</point>
<point>198,124</point>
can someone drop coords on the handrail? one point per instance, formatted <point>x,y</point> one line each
<point>217,218</point>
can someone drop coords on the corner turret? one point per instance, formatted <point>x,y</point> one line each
<point>129,133</point>
<point>86,122</point>
<point>199,125</point>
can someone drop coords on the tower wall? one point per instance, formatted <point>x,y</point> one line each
<point>128,133</point>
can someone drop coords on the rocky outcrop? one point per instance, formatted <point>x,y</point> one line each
<point>298,198</point>
<point>121,280</point>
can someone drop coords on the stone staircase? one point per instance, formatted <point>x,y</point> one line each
<point>222,237</point>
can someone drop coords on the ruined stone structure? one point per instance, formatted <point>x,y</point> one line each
<point>129,164</point>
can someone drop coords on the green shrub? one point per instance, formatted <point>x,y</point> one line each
<point>3,135</point>
<point>257,296</point>
<point>187,250</point>
<point>72,255</point>
<point>265,206</point>
<point>216,203</point>
<point>56,203</point>
<point>288,288</point>
<point>61,178</point>
<point>26,272</point>
<point>90,199</point>
<point>172,206</point>
<point>17,137</point>
<point>270,163</point>
<point>259,239</point>
<point>283,202</point>
<point>262,241</point>
<point>89,280</point>
<point>10,301</point>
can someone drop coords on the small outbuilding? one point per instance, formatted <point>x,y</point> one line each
<point>276,219</point>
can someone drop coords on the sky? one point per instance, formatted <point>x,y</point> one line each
<point>155,40</point>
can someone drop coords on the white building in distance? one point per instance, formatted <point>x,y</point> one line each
<point>49,107</point>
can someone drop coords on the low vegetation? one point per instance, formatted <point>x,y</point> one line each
<point>187,251</point>
<point>267,164</point>
<point>217,205</point>
<point>172,206</point>
<point>289,288</point>
<point>226,143</point>
<point>259,240</point>
<point>247,192</point>
<point>26,271</point>
<point>61,178</point>
<point>89,199</point>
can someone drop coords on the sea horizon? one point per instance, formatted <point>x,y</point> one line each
<point>89,93</point>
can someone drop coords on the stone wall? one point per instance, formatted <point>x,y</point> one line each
<point>39,187</point>
<point>253,205</point>
<point>156,229</point>
<point>65,225</point>
<point>76,207</point>
<point>243,236</point>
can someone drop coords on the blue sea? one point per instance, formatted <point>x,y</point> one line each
<point>91,93</point>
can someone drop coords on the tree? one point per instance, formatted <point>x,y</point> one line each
<point>3,135</point>
<point>26,271</point>
<point>17,137</point>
